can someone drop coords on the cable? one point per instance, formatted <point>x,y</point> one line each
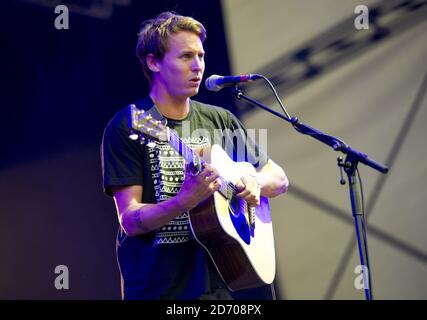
<point>362,199</point>
<point>293,120</point>
<point>273,291</point>
<point>277,97</point>
<point>365,232</point>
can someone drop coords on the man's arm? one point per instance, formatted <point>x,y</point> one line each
<point>270,181</point>
<point>138,218</point>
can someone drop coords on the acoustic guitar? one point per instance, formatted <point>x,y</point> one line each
<point>238,238</point>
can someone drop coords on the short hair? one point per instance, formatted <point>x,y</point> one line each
<point>153,37</point>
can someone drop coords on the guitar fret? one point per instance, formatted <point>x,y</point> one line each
<point>184,150</point>
<point>181,147</point>
<point>226,189</point>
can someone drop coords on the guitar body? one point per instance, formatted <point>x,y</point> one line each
<point>241,248</point>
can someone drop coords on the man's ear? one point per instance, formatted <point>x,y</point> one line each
<point>152,63</point>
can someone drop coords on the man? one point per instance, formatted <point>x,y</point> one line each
<point>157,254</point>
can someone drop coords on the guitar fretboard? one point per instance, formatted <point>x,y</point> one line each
<point>182,148</point>
<point>227,189</point>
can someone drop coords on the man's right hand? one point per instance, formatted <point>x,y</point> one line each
<point>197,188</point>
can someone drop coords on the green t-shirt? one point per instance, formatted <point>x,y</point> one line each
<point>168,263</point>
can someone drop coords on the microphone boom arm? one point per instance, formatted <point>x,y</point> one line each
<point>333,142</point>
<point>353,157</point>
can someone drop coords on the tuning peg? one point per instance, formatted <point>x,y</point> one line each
<point>133,135</point>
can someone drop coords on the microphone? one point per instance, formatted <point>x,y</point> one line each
<point>216,82</point>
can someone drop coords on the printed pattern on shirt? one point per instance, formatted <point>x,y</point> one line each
<point>167,173</point>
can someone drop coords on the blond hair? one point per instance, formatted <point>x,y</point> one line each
<point>153,37</point>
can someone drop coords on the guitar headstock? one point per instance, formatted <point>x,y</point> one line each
<point>142,124</point>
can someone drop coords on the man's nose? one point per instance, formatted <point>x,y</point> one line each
<point>197,64</point>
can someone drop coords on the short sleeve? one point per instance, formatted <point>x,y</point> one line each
<point>122,159</point>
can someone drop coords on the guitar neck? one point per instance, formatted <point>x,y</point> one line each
<point>143,125</point>
<point>184,150</point>
<point>190,156</point>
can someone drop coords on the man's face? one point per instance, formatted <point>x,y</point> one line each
<point>181,70</point>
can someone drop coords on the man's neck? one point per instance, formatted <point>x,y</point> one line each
<point>170,107</point>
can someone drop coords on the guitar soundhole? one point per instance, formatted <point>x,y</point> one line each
<point>238,217</point>
<point>235,206</point>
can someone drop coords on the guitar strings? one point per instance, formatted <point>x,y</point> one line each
<point>229,186</point>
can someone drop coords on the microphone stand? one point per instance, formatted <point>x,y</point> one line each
<point>353,157</point>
